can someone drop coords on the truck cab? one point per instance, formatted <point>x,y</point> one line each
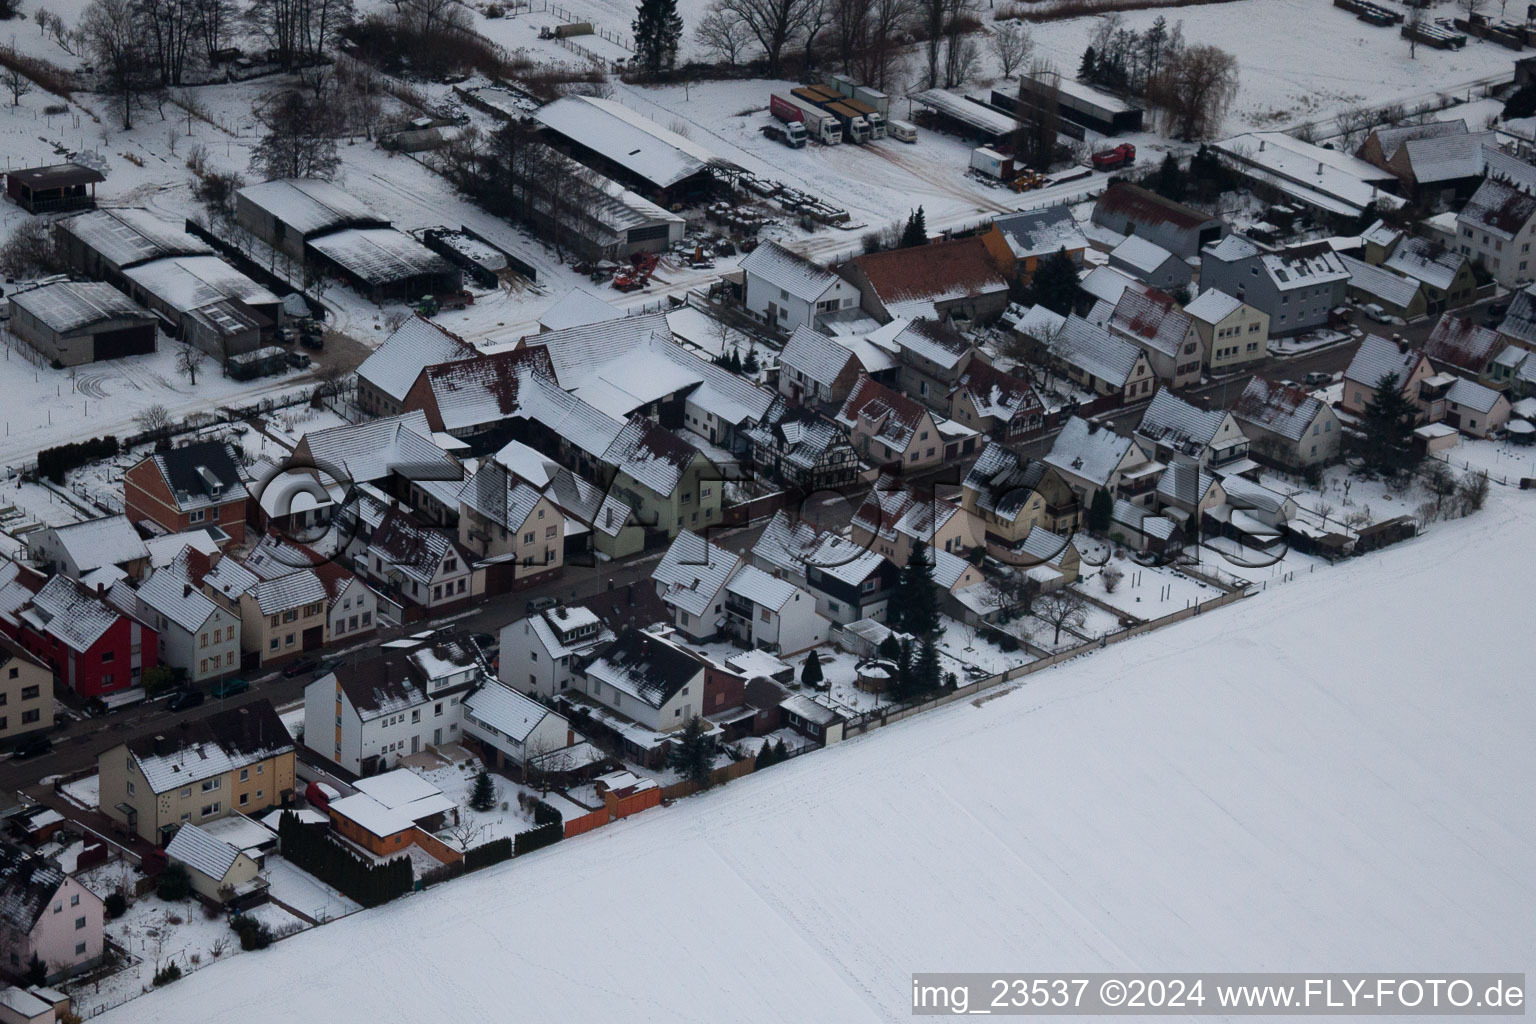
<point>831,132</point>
<point>876,125</point>
<point>794,134</point>
<point>858,130</point>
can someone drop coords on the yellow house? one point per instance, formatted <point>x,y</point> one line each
<point>894,517</point>
<point>504,518</point>
<point>280,618</point>
<point>1012,495</point>
<point>240,759</point>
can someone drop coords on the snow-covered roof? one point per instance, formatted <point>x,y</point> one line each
<point>1041,232</point>
<point>125,238</point>
<point>1397,291</point>
<point>1303,266</point>
<point>693,572</point>
<point>1003,481</point>
<point>202,748</point>
<point>1147,208</point>
<point>471,394</point>
<point>1473,395</point>
<point>1171,421</point>
<point>786,544</point>
<point>405,791</point>
<point>94,543</point>
<point>1392,137</point>
<point>411,548</point>
<point>810,709</point>
<point>1151,319</point>
<point>781,268</point>
<point>309,205</point>
<point>1283,410</point>
<point>374,449</point>
<point>188,283</point>
<point>575,353</point>
<point>1519,321</point>
<point>418,343</point>
<point>936,342</point>
<point>961,109</point>
<point>500,496</point>
<point>628,139</point>
<point>1185,484</point>
<point>892,416</point>
<point>1095,351</point>
<point>1039,322</point>
<point>245,834</point>
<point>63,610</point>
<point>651,455</point>
<point>370,815</point>
<point>550,629</point>
<point>1377,357</point>
<point>815,355</point>
<point>231,579</point>
<point>380,256</point>
<point>1440,158</point>
<point>948,568</point>
<point>996,394</point>
<point>503,709</point>
<point>1498,209</point>
<point>1243,493</point>
<point>1212,306</point>
<point>170,592</point>
<point>578,308</point>
<point>290,591</point>
<point>1088,451</point>
<point>1141,254</point>
<point>76,305</point>
<point>201,852</point>
<point>1431,262</point>
<point>590,505</point>
<point>752,584</point>
<point>1106,284</point>
<point>844,560</point>
<point>1461,342</point>
<point>1322,177</point>
<point>646,667</point>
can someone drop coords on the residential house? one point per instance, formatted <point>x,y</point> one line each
<point>1185,492</point>
<point>47,914</point>
<point>1150,263</point>
<point>81,549</point>
<point>995,403</point>
<point>188,488</point>
<point>1132,210</point>
<point>889,429</point>
<point>385,377</point>
<point>772,614</point>
<point>1296,287</point>
<point>806,452</point>
<point>397,454</point>
<point>1012,495</point>
<point>1106,284</point>
<point>1050,559</point>
<point>931,356</point>
<point>196,633</point>
<point>1253,514</point>
<point>1232,333</point>
<point>1495,228</point>
<point>1154,323</point>
<point>849,581</point>
<point>596,520</point>
<point>1382,145</point>
<point>1518,327</point>
<point>504,519</point>
<point>1099,361</point>
<point>648,679</point>
<point>512,728</point>
<point>26,691</point>
<point>1461,346</point>
<point>690,580</point>
<point>386,831</point>
<point>785,290</point>
<point>416,564</point>
<point>93,647</point>
<point>1172,430</point>
<point>1514,370</point>
<point>1377,242</point>
<point>1445,273</point>
<point>956,279</point>
<point>815,369</point>
<point>367,715</point>
<point>1474,409</point>
<point>1144,530</point>
<point>784,547</point>
<point>238,759</point>
<point>540,654</point>
<point>1090,457</point>
<point>1287,426</point>
<point>1436,170</point>
<point>814,718</point>
<point>352,608</point>
<point>670,484</point>
<point>1019,241</point>
<point>282,616</point>
<point>1402,297</point>
<point>894,517</point>
<point>220,872</point>
<point>1374,360</point>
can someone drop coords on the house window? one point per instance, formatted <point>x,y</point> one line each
<point>29,692</point>
<point>28,717</point>
<point>79,949</point>
<point>195,516</point>
<point>107,656</point>
<point>209,785</point>
<point>245,774</point>
<point>130,785</point>
<point>245,798</point>
<point>74,900</point>
<point>79,923</point>
<point>528,538</point>
<point>273,645</point>
<point>210,809</point>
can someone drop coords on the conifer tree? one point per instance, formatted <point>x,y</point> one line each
<point>916,230</point>
<point>657,28</point>
<point>810,672</point>
<point>483,796</point>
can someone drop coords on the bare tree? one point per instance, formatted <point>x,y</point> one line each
<point>1473,492</point>
<point>465,832</point>
<point>876,56</point>
<point>1354,124</point>
<point>960,51</point>
<point>1012,45</point>
<point>156,417</point>
<point>114,38</point>
<point>31,250</point>
<point>1038,114</point>
<point>216,21</point>
<point>933,13</point>
<point>189,359</point>
<point>298,143</point>
<point>15,83</point>
<point>170,27</point>
<point>1196,88</point>
<point>773,23</point>
<point>1472,6</point>
<point>1061,609</point>
<point>722,33</point>
<point>1111,575</point>
<point>1413,26</point>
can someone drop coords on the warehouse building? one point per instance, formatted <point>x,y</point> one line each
<point>289,212</point>
<point>383,263</point>
<point>81,322</point>
<point>207,302</point>
<point>1082,104</point>
<point>105,244</point>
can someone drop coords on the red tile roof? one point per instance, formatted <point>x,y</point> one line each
<point>940,270</point>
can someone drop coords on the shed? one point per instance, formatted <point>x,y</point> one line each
<point>76,322</point>
<point>54,188</point>
<point>383,263</point>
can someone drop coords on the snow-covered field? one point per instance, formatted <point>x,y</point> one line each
<point>1336,774</point>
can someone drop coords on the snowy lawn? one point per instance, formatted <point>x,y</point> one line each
<point>1147,592</point>
<point>505,818</point>
<point>85,793</point>
<point>976,655</point>
<point>304,892</point>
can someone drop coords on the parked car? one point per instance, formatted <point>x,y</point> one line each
<point>538,604</point>
<point>312,341</point>
<point>184,699</point>
<point>283,336</point>
<point>298,668</point>
<point>1317,377</point>
<point>1375,312</point>
<point>298,360</point>
<point>32,746</point>
<point>229,688</point>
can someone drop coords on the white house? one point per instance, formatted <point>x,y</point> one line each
<point>539,653</point>
<point>1287,425</point>
<point>772,614</point>
<point>786,290</point>
<point>1474,409</point>
<point>514,726</point>
<point>648,679</point>
<point>218,870</point>
<point>1090,457</point>
<point>196,633</point>
<point>82,548</point>
<point>1173,430</point>
<point>1496,229</point>
<point>690,580</point>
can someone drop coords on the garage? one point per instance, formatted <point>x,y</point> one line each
<point>75,322</point>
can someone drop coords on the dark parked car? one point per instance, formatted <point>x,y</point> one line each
<point>32,746</point>
<point>229,688</point>
<point>312,341</point>
<point>184,700</point>
<point>298,668</point>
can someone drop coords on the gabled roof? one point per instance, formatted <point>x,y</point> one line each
<point>394,366</point>
<point>500,496</point>
<point>65,611</point>
<point>508,712</point>
<point>1171,421</point>
<point>1377,357</point>
<point>936,272</point>
<point>645,667</point>
<point>1282,410</point>
<point>1498,209</point>
<point>1472,395</point>
<point>801,442</point>
<point>1185,484</point>
<point>291,591</point>
<point>1303,266</point>
<point>1108,284</point>
<point>1003,480</point>
<point>380,255</point>
<point>640,145</point>
<point>693,571</point>
<point>651,455</point>
<point>373,449</point>
<point>1434,263</point>
<point>126,238</point>
<point>936,342</point>
<point>200,748</point>
<point>231,579</point>
<point>1147,207</point>
<point>1088,450</point>
<point>752,584</point>
<point>27,884</point>
<point>1380,283</point>
<point>472,393</point>
<point>1094,350</point>
<point>587,503</point>
<point>723,394</point>
<point>578,308</point>
<point>788,270</point>
<point>1448,157</point>
<point>997,394</point>
<point>815,355</point>
<point>1212,306</point>
<point>410,547</point>
<point>203,853</point>
<point>894,417</point>
<point>1458,341</point>
<point>1520,320</point>
<point>1141,254</point>
<point>171,592</point>
<point>576,352</point>
<point>786,544</point>
<point>378,686</point>
<point>1152,319</point>
<point>94,543</point>
<point>309,205</point>
<point>201,474</point>
<point>1391,138</point>
<point>1041,232</point>
<point>75,305</point>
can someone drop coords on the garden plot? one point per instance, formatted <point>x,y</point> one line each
<point>1147,591</point>
<point>84,793</point>
<point>505,819</point>
<point>976,654</point>
<point>304,892</point>
<point>839,672</point>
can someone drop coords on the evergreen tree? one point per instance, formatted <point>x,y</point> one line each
<point>1169,182</point>
<point>916,230</point>
<point>693,752</point>
<point>917,596</point>
<point>1089,68</point>
<point>1387,447</point>
<point>1101,511</point>
<point>925,668</point>
<point>810,672</point>
<point>890,647</point>
<point>483,796</point>
<point>751,364</point>
<point>780,751</point>
<point>903,685</point>
<point>764,757</point>
<point>735,366</point>
<point>1055,284</point>
<point>657,28</point>
<point>37,971</point>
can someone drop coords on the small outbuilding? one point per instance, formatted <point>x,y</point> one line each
<point>76,322</point>
<point>54,188</point>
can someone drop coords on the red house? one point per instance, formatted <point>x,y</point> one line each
<point>197,486</point>
<point>93,648</point>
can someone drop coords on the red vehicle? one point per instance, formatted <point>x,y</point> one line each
<point>1121,156</point>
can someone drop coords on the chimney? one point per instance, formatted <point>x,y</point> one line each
<point>1319,168</point>
<point>161,746</point>
<point>186,591</point>
<point>1261,145</point>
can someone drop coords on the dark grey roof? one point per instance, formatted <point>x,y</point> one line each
<point>58,176</point>
<point>193,471</point>
<point>648,666</point>
<point>27,884</point>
